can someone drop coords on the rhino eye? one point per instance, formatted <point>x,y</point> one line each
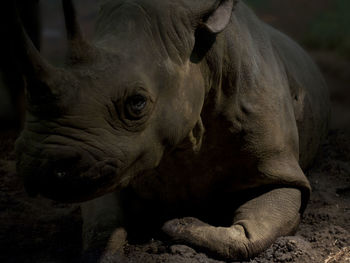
<point>135,106</point>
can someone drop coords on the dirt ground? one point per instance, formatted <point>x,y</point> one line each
<point>41,231</point>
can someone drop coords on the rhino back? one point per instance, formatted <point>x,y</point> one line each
<point>309,94</point>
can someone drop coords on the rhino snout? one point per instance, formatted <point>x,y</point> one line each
<point>67,176</point>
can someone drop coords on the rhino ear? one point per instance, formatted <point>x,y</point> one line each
<point>214,20</point>
<point>220,17</point>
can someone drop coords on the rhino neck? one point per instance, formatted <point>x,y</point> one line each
<point>236,63</point>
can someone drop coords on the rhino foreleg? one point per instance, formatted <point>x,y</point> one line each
<point>257,224</point>
<point>103,231</point>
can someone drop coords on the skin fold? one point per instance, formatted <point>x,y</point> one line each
<point>190,115</point>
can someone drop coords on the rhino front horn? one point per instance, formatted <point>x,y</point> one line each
<point>32,64</point>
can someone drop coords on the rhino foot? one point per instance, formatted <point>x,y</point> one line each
<point>256,225</point>
<point>223,242</point>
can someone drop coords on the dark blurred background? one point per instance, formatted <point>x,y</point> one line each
<point>318,24</point>
<point>323,28</point>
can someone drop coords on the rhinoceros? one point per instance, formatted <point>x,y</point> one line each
<point>192,116</point>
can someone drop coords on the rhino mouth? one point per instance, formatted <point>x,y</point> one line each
<point>67,174</point>
<point>73,166</point>
<point>68,184</point>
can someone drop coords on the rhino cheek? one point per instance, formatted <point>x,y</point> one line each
<point>47,172</point>
<point>148,150</point>
<point>182,105</point>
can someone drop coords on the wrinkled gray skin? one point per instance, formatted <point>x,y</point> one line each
<point>179,108</point>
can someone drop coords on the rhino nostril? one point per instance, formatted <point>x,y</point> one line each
<point>60,174</point>
<point>65,166</point>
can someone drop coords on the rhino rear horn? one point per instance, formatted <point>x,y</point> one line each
<point>79,49</point>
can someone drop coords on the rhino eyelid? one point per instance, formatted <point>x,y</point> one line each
<point>116,105</point>
<point>120,113</point>
<point>135,115</point>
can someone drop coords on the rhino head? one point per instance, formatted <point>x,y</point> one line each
<point>122,102</point>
